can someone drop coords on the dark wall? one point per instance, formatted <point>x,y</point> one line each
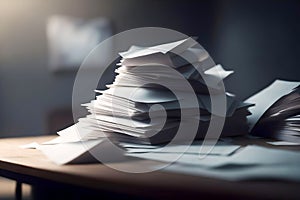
<point>258,39</point>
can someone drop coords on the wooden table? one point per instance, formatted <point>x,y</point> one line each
<point>32,167</point>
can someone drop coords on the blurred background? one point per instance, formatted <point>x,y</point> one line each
<point>259,40</point>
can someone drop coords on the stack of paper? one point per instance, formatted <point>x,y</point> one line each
<point>144,103</point>
<point>142,111</point>
<point>150,76</point>
<point>276,113</point>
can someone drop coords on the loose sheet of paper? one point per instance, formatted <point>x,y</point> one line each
<point>273,92</point>
<point>64,153</point>
<point>251,163</point>
<point>283,143</point>
<point>194,149</point>
<point>250,155</point>
<point>258,172</point>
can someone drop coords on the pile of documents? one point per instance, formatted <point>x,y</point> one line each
<point>140,112</point>
<point>141,105</point>
<point>276,113</point>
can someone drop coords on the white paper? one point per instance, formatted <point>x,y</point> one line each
<point>142,95</point>
<point>281,172</point>
<point>193,149</point>
<point>133,145</point>
<point>64,153</point>
<point>188,159</point>
<point>267,97</point>
<point>32,145</point>
<point>60,139</point>
<point>77,132</point>
<point>283,143</point>
<point>177,46</point>
<point>218,71</point>
<point>193,56</point>
<point>250,155</point>
<point>148,73</point>
<point>157,58</point>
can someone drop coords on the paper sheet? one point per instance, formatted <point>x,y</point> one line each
<point>177,47</point>
<point>75,133</point>
<point>194,149</point>
<point>250,155</point>
<point>283,143</point>
<point>280,172</point>
<point>67,152</point>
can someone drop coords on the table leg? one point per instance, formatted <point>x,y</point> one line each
<point>18,190</point>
